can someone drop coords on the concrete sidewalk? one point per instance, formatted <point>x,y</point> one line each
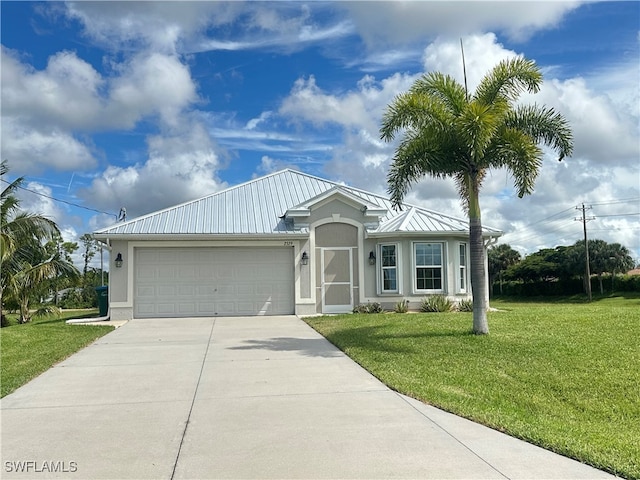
<point>260,397</point>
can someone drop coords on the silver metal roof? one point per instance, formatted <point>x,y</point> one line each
<point>258,207</point>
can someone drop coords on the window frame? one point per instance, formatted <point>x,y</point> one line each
<point>463,268</point>
<point>380,268</point>
<point>415,266</point>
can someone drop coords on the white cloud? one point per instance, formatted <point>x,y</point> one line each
<point>604,166</point>
<point>602,132</point>
<point>405,21</point>
<point>270,165</point>
<point>182,165</point>
<point>37,199</point>
<point>48,115</point>
<point>29,149</point>
<point>358,108</point>
<point>150,83</point>
<point>70,94</point>
<point>481,53</point>
<point>65,94</point>
<point>147,25</point>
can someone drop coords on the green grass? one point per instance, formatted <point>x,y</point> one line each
<point>30,349</point>
<point>565,376</point>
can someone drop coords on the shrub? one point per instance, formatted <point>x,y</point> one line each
<point>465,305</point>
<point>402,306</point>
<point>374,307</point>
<point>436,303</point>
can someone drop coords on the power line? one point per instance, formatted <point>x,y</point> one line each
<point>614,202</point>
<point>528,236</point>
<point>61,201</point>
<point>522,235</point>
<point>618,215</point>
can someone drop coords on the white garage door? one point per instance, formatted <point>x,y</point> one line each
<point>197,282</point>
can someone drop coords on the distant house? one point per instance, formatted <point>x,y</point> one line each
<point>286,243</point>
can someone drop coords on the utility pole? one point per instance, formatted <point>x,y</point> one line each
<point>586,246</point>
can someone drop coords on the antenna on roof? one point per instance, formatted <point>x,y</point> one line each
<point>122,216</point>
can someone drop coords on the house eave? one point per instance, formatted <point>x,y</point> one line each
<point>449,233</point>
<point>199,236</point>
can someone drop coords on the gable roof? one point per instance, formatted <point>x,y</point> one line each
<point>260,206</point>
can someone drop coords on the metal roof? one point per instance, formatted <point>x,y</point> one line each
<point>258,207</point>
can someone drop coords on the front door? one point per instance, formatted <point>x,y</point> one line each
<point>337,280</point>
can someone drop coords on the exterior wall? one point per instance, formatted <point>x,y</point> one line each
<point>120,308</point>
<point>342,236</point>
<point>121,280</point>
<point>406,277</point>
<point>334,223</point>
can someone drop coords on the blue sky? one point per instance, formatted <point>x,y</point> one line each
<point>144,105</point>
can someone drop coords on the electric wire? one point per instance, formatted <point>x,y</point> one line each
<point>59,200</point>
<point>523,235</point>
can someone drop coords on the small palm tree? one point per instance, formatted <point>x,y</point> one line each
<point>23,265</point>
<point>447,133</point>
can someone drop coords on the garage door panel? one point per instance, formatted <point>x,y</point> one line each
<point>186,272</point>
<point>226,308</point>
<point>166,272</point>
<point>186,309</point>
<point>186,290</point>
<point>205,308</point>
<point>198,281</point>
<point>166,308</point>
<point>167,290</point>
<point>145,291</point>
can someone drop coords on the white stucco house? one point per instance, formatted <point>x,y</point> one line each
<point>285,243</point>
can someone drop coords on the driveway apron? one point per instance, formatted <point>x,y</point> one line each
<point>254,397</point>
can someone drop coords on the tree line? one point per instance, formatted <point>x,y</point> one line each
<point>560,270</point>
<point>37,274</point>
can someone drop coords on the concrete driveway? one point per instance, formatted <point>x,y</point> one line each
<point>260,397</point>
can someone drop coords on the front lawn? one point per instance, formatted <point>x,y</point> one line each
<point>565,376</point>
<point>30,349</point>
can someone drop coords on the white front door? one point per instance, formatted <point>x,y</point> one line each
<point>337,280</point>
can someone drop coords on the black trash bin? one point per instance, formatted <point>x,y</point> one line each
<point>103,300</point>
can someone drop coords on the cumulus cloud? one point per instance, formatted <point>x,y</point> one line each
<point>150,83</point>
<point>602,131</point>
<point>36,198</point>
<point>49,114</point>
<point>31,150</point>
<point>406,22</point>
<point>182,165</point>
<point>70,94</point>
<point>604,134</point>
<point>157,26</point>
<point>65,93</point>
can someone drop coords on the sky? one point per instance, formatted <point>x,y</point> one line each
<point>145,105</point>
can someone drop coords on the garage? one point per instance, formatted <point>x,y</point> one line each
<point>213,281</point>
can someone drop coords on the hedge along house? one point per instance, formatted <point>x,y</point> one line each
<point>286,243</point>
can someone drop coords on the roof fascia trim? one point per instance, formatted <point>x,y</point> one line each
<point>336,192</point>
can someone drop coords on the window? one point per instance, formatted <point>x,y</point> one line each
<point>462,267</point>
<point>428,266</point>
<point>389,266</point>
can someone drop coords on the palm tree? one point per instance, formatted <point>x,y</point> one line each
<point>500,257</point>
<point>448,133</point>
<point>22,236</point>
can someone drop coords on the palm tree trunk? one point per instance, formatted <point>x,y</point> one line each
<point>478,274</point>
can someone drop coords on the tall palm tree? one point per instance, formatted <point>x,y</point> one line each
<point>22,238</point>
<point>448,133</point>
